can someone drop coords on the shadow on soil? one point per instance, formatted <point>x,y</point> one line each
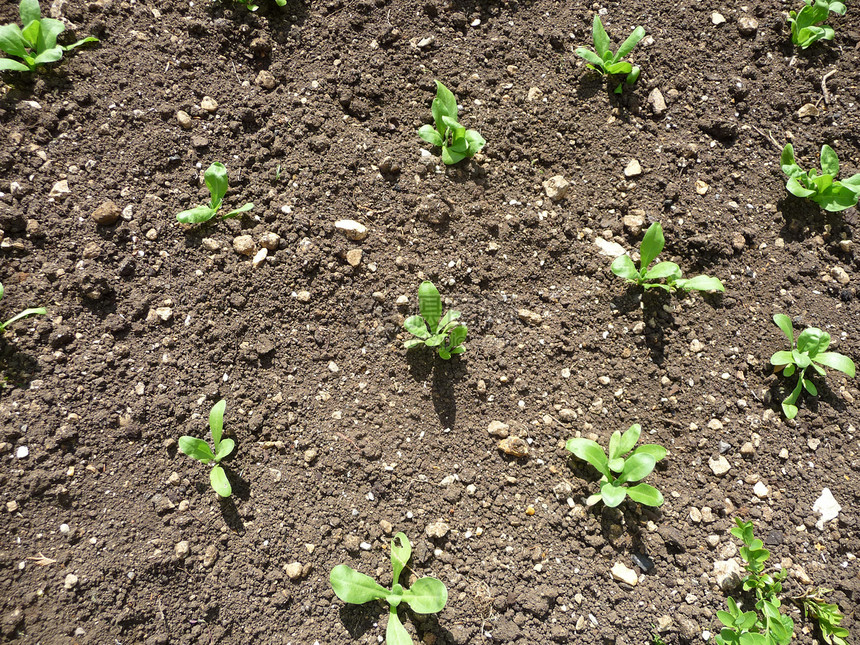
<point>445,376</point>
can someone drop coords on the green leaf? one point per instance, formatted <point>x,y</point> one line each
<point>612,495</point>
<point>242,209</point>
<point>355,588</point>
<point>645,494</point>
<point>395,632</point>
<point>751,638</point>
<point>13,65</point>
<point>637,467</point>
<point>30,32</point>
<point>49,56</point>
<point>445,104</point>
<point>811,341</point>
<point>426,596</point>
<point>614,440</point>
<point>628,440</point>
<point>12,41</point>
<point>216,181</point>
<point>836,361</point>
<point>726,618</point>
<point>48,32</point>
<point>196,449</point>
<point>633,76</point>
<point>784,323</point>
<point>450,316</point>
<point>631,42</point>
<point>809,386</point>
<point>787,161</point>
<point>216,421</point>
<point>829,161</point>
<point>435,340</point>
<point>616,464</point>
<point>412,342</point>
<point>450,157</point>
<point>590,56</point>
<point>39,311</point>
<point>622,67</point>
<point>401,551</point>
<point>623,267</point>
<point>196,215</point>
<point>475,142</point>
<point>416,326</point>
<point>29,11</point>
<point>801,360</point>
<point>837,198</point>
<point>444,354</point>
<point>664,270</point>
<point>430,304</point>
<point>652,244</point>
<point>653,449</point>
<point>219,481</point>
<point>430,135</point>
<point>224,448</point>
<point>589,451</point>
<point>793,186</point>
<point>782,358</point>
<point>82,41</point>
<point>458,335</point>
<point>601,40</point>
<point>701,283</point>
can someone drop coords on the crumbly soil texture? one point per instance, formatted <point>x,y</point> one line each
<point>111,535</point>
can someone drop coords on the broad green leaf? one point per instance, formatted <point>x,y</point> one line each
<point>29,11</point>
<point>628,439</point>
<point>426,596</point>
<point>196,215</point>
<point>801,360</point>
<point>622,67</point>
<point>450,316</point>
<point>445,104</point>
<point>216,421</point>
<point>837,198</point>
<point>458,350</point>
<point>819,369</point>
<point>701,283</point>
<point>457,132</point>
<point>616,464</point>
<point>784,323</point>
<point>652,244</point>
<point>459,145</point>
<point>196,449</point>
<point>725,618</point>
<point>637,467</point>
<point>829,161</point>
<point>450,157</point>
<point>12,40</point>
<point>475,142</point>
<point>781,358</point>
<point>444,354</point>
<point>645,494</point>
<point>244,208</point>
<point>430,304</point>
<point>809,386</point>
<point>787,162</point>
<point>589,451</point>
<point>614,440</point>
<point>219,481</point>
<point>458,335</point>
<point>224,448</point>
<point>751,638</point>
<point>430,135</point>
<point>49,56</point>
<point>631,42</point>
<point>852,183</point>
<point>653,449</point>
<point>623,267</point>
<point>747,620</point>
<point>30,33</point>
<point>837,8</point>
<point>663,270</point>
<point>48,33</point>
<point>793,186</point>
<point>811,341</point>
<point>412,342</point>
<point>416,326</point>
<point>633,76</point>
<point>601,40</point>
<point>355,588</point>
<point>401,551</point>
<point>13,65</point>
<point>82,41</point>
<point>835,361</point>
<point>216,180</point>
<point>39,311</point>
<point>590,56</point>
<point>435,340</point>
<point>395,632</point>
<point>612,495</point>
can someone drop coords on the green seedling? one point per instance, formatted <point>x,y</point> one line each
<point>425,596</point>
<point>456,142</point>
<point>618,470</point>
<point>827,615</point>
<point>823,189</point>
<point>806,27</point>
<point>216,181</point>
<point>607,63</point>
<point>200,450</point>
<point>35,44</point>
<point>38,311</point>
<point>809,352</point>
<point>652,244</point>
<point>433,329</point>
<point>253,7</point>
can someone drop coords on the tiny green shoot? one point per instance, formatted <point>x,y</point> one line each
<point>425,596</point>
<point>813,604</point>
<point>806,27</point>
<point>607,63</point>
<point>216,181</point>
<point>200,450</point>
<point>618,469</point>
<point>823,189</point>
<point>253,7</point>
<point>431,328</point>
<point>651,246</point>
<point>38,311</point>
<point>809,352</point>
<point>457,142</point>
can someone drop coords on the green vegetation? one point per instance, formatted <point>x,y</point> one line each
<point>432,328</point>
<point>827,615</point>
<point>607,63</point>
<point>456,142</point>
<point>35,44</point>
<point>426,595</point>
<point>216,181</point>
<point>652,244</point>
<point>253,7</point>
<point>39,311</point>
<point>618,470</point>
<point>200,450</point>
<point>823,189</point>
<point>805,24</point>
<point>809,352</point>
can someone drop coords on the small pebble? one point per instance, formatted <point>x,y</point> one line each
<point>182,549</point>
<point>70,582</point>
<point>437,530</point>
<point>294,570</point>
<point>22,452</point>
<point>633,169</point>
<point>761,490</point>
<point>184,120</point>
<point>208,104</point>
<point>514,446</point>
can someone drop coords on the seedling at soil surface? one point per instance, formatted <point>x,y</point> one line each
<point>425,596</point>
<point>813,604</point>
<point>456,142</point>
<point>823,188</point>
<point>36,44</point>
<point>39,311</point>
<point>253,7</point>
<point>809,353</point>
<point>650,248</point>
<point>805,27</point>
<point>216,181</point>
<point>200,450</point>
<point>604,61</point>
<point>431,328</point>
<point>618,470</point>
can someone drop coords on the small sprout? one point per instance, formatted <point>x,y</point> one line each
<point>433,329</point>
<point>650,248</point>
<point>607,63</point>
<point>813,603</point>
<point>618,470</point>
<point>456,142</point>
<point>823,188</point>
<point>39,311</point>
<point>253,7</point>
<point>806,27</point>
<point>216,181</point>
<point>35,44</point>
<point>200,450</point>
<point>425,596</point>
<point>809,352</point>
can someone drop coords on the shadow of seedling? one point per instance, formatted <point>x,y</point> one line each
<point>804,218</point>
<point>17,368</point>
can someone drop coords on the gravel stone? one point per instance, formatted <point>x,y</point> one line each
<point>106,214</point>
<point>293,570</point>
<point>437,530</point>
<point>353,230</point>
<point>184,119</point>
<point>498,429</point>
<point>556,188</point>
<point>514,446</point>
<point>719,466</point>
<point>208,104</point>
<point>244,245</point>
<point>625,574</point>
<point>633,169</point>
<point>70,582</point>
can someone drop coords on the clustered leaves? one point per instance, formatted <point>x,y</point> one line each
<point>200,450</point>
<point>425,596</point>
<point>35,44</point>
<point>618,470</point>
<point>651,246</point>
<point>457,142</point>
<point>433,329</point>
<point>216,181</point>
<point>607,63</point>
<point>827,615</point>
<point>39,311</point>
<point>253,7</point>
<point>806,27</point>
<point>822,188</point>
<point>809,352</point>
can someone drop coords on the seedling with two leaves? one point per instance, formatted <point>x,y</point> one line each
<point>823,188</point>
<point>618,469</point>
<point>425,596</point>
<point>433,329</point>
<point>35,44</point>
<point>806,27</point>
<point>253,6</point>
<point>457,142</point>
<point>607,63</point>
<point>216,181</point>
<point>38,311</point>
<point>652,245</point>
<point>809,352</point>
<point>200,450</point>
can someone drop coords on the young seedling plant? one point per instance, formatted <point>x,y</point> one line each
<point>433,329</point>
<point>200,450</point>
<point>823,188</point>
<point>216,181</point>
<point>618,469</point>
<point>607,63</point>
<point>809,352</point>
<point>38,311</point>
<point>805,24</point>
<point>827,615</point>
<point>425,596</point>
<point>457,142</point>
<point>35,44</point>
<point>652,244</point>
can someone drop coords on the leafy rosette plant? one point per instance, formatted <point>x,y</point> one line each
<point>200,450</point>
<point>426,595</point>
<point>805,24</point>
<point>607,63</point>
<point>217,183</point>
<point>433,329</point>
<point>823,188</point>
<point>457,142</point>
<point>809,352</point>
<point>619,470</point>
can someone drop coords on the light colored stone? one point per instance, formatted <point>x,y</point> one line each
<point>333,368</point>
<point>717,18</point>
<point>633,223</point>
<point>761,490</point>
<point>728,574</point>
<point>437,530</point>
<point>309,455</point>
<point>610,249</point>
<point>293,570</point>
<point>12,506</point>
<point>719,466</point>
<point>514,446</point>
<point>353,257</point>
<point>701,187</point>
<point>534,94</point>
<point>695,515</point>
<point>498,429</point>
<point>260,257</point>
<point>625,574</point>
<point>353,230</point>
<point>210,555</point>
<point>244,245</point>
<point>208,104</point>
<point>184,119</point>
<point>60,189</point>
<point>266,80</point>
<point>696,346</point>
<point>715,424</point>
<point>656,101</point>
<point>826,506</point>
<point>747,25</point>
<point>210,244</point>
<point>70,582</point>
<point>840,275</point>
<point>22,452</point>
<point>807,110</point>
<point>556,188</point>
<point>106,214</point>
<point>270,241</point>
<point>164,314</point>
<point>182,549</point>
<point>303,296</point>
<point>529,317</point>
<point>748,449</point>
<point>633,169</point>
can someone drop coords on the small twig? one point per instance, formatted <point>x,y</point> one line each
<point>768,136</point>
<point>824,85</point>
